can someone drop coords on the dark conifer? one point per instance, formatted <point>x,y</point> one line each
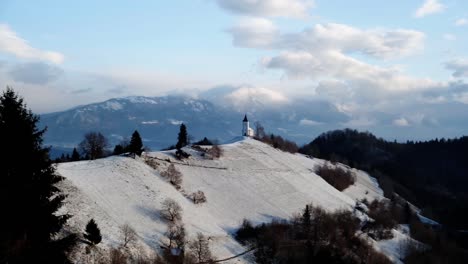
<point>92,233</point>
<point>75,155</point>
<point>182,139</point>
<point>28,196</point>
<point>136,145</point>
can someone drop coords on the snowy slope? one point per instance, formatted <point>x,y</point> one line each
<point>251,180</point>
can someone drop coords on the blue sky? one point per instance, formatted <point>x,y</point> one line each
<point>399,59</point>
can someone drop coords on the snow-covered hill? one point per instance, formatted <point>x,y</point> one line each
<point>251,180</point>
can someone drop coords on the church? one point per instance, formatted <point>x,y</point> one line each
<point>246,130</point>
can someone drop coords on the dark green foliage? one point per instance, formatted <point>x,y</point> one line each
<point>28,196</point>
<point>182,138</point>
<point>75,155</point>
<point>431,174</point>
<point>136,145</point>
<point>118,149</point>
<point>204,142</point>
<point>92,233</point>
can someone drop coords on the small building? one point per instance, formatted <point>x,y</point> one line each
<point>246,130</point>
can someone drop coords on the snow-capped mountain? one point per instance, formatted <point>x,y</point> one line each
<point>252,180</point>
<point>216,115</point>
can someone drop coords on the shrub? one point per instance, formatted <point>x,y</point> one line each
<point>215,152</point>
<point>198,197</point>
<point>336,176</point>
<point>173,175</point>
<point>384,220</point>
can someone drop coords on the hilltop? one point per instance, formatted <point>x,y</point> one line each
<point>252,180</point>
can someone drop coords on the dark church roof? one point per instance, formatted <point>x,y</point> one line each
<point>245,119</point>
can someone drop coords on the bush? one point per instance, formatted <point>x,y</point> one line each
<point>198,197</point>
<point>279,143</point>
<point>215,152</point>
<point>384,220</point>
<point>336,176</point>
<point>173,175</point>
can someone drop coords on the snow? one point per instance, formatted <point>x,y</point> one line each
<point>427,221</point>
<point>251,180</point>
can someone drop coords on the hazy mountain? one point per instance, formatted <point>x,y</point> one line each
<point>216,114</point>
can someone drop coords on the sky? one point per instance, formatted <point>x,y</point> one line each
<point>399,65</point>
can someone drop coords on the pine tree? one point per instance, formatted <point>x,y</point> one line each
<point>75,155</point>
<point>136,145</point>
<point>92,233</point>
<point>29,198</point>
<point>182,139</point>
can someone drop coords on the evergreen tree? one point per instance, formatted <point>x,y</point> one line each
<point>75,155</point>
<point>182,139</point>
<point>136,145</point>
<point>92,233</point>
<point>306,220</point>
<point>118,149</point>
<point>29,198</point>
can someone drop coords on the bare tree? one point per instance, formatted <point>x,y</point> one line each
<point>171,210</point>
<point>128,235</point>
<point>94,145</point>
<point>200,249</point>
<point>259,130</point>
<point>215,152</point>
<point>173,175</point>
<point>176,235</point>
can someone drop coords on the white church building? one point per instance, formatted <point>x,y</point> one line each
<point>246,130</point>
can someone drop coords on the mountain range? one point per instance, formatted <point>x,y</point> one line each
<point>216,114</point>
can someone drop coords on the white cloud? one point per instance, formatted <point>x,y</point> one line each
<point>402,122</point>
<point>459,67</point>
<point>450,37</point>
<point>461,22</point>
<point>269,8</point>
<point>254,32</point>
<point>308,122</point>
<point>378,43</point>
<point>11,43</point>
<point>429,7</point>
<point>264,95</point>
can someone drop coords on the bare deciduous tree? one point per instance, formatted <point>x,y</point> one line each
<point>171,210</point>
<point>93,145</point>
<point>176,235</point>
<point>173,175</point>
<point>215,152</point>
<point>128,235</point>
<point>200,249</point>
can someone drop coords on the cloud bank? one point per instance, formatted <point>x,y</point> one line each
<point>11,43</point>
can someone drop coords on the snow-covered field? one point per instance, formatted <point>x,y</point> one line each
<point>251,180</point>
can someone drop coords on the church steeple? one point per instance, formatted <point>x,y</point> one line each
<point>246,130</point>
